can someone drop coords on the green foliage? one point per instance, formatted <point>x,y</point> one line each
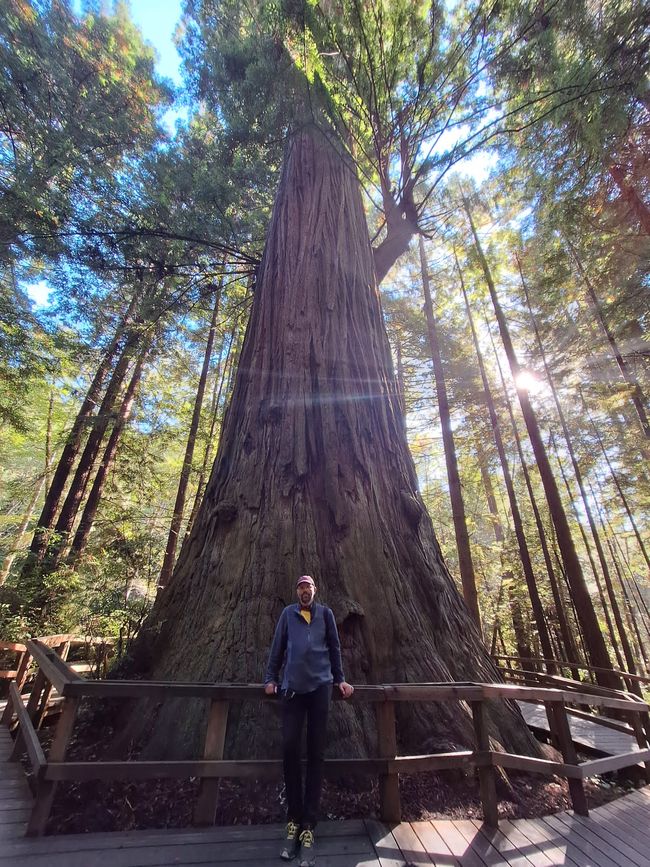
<point>78,96</point>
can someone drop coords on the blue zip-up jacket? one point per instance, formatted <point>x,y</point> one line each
<point>312,649</point>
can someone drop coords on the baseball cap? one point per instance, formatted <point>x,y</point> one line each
<point>305,579</point>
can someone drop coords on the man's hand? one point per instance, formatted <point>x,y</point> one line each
<point>271,688</point>
<point>346,689</point>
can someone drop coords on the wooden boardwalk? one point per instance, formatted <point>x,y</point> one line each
<point>585,733</point>
<point>15,796</point>
<point>616,835</point>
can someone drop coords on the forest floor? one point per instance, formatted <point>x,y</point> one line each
<point>89,807</point>
<point>123,806</point>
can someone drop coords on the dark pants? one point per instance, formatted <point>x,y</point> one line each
<point>315,706</point>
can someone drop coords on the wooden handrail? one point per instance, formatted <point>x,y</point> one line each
<point>561,664</point>
<point>27,731</point>
<point>12,646</point>
<point>568,684</point>
<point>54,671</point>
<point>374,694</point>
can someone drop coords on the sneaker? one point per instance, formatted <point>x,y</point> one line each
<point>291,842</point>
<point>307,848</point>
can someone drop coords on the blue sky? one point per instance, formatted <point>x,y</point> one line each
<point>158,19</point>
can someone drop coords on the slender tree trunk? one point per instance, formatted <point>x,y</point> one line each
<point>631,197</point>
<point>597,649</point>
<point>630,615</point>
<point>97,489</point>
<point>594,570</point>
<point>105,415</point>
<point>216,416</point>
<point>580,634</point>
<point>313,474</point>
<point>7,563</point>
<point>638,398</point>
<point>48,444</point>
<point>617,483</point>
<point>604,566</point>
<point>520,629</point>
<point>529,575</point>
<point>466,566</point>
<point>495,626</point>
<point>73,443</point>
<point>570,648</point>
<point>179,505</point>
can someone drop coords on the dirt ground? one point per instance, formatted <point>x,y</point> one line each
<point>88,807</point>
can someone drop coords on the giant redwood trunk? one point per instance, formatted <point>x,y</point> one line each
<point>313,474</point>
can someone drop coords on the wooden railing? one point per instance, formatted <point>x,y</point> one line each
<point>95,663</point>
<point>633,682</point>
<point>387,765</point>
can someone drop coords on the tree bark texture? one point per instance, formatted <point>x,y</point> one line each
<point>313,474</point>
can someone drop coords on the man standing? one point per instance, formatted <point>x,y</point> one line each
<point>306,632</point>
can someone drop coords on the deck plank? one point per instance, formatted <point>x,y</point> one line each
<point>510,852</point>
<point>457,843</point>
<point>434,845</point>
<point>590,848</point>
<point>613,837</point>
<point>536,855</point>
<point>482,845</point>
<point>632,825</point>
<point>354,849</point>
<point>558,849</point>
<point>386,847</point>
<point>412,848</point>
<point>584,732</point>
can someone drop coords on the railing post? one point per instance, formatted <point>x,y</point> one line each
<point>21,677</point>
<point>486,774</point>
<point>641,739</point>
<point>389,800</point>
<point>45,789</point>
<point>215,738</point>
<point>40,683</point>
<point>562,732</point>
<point>62,651</point>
